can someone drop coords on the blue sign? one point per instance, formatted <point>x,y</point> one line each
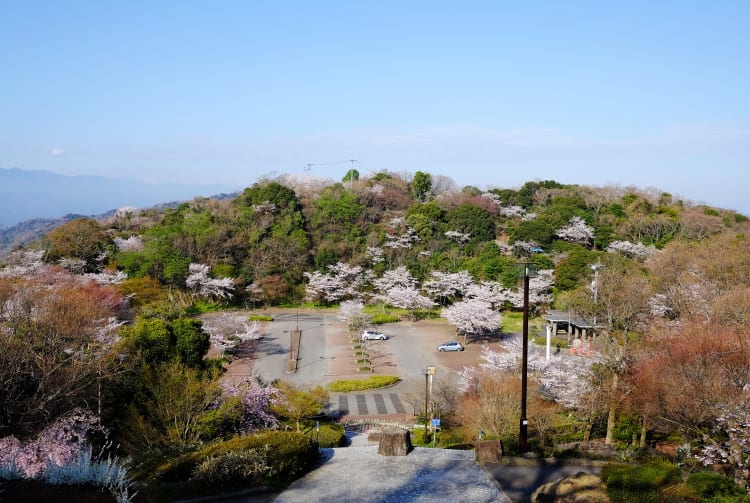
<point>436,422</point>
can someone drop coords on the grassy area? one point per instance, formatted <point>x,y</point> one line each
<point>372,382</point>
<point>513,323</point>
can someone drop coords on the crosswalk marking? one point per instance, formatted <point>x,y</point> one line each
<point>372,404</point>
<point>362,405</point>
<point>380,404</point>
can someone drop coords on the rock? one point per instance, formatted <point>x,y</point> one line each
<point>488,451</point>
<point>394,442</point>
<point>580,488</point>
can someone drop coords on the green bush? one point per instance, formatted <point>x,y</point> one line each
<point>381,319</point>
<point>714,487</point>
<point>330,435</point>
<point>291,454</point>
<point>372,382</point>
<point>249,466</point>
<point>220,423</point>
<point>639,483</point>
<point>259,317</point>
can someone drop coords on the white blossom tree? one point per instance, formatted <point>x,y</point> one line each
<point>577,231</point>
<point>199,279</point>
<point>459,237</point>
<point>227,331</point>
<point>352,312</point>
<point>730,443</point>
<point>445,286</point>
<point>344,281</point>
<point>405,297</point>
<point>631,250</point>
<point>471,317</point>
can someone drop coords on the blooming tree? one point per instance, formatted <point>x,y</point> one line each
<point>352,313</point>
<point>199,279</point>
<point>227,331</point>
<point>409,298</point>
<point>444,286</point>
<point>392,278</point>
<point>344,281</point>
<point>256,400</point>
<point>731,442</point>
<point>472,316</point>
<point>631,250</point>
<point>130,244</point>
<point>489,292</point>
<point>459,237</point>
<point>577,231</point>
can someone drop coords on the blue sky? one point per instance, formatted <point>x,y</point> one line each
<point>491,94</point>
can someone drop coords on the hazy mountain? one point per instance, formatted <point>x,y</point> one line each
<point>28,195</point>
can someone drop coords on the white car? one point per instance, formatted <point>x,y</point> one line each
<point>450,346</point>
<point>373,335</point>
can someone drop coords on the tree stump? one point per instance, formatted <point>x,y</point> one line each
<point>394,442</point>
<point>488,451</point>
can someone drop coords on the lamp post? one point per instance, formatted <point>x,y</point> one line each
<point>428,372</point>
<point>523,440</point>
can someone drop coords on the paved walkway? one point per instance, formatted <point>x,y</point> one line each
<point>359,473</point>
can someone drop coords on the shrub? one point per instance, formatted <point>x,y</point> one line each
<point>709,486</point>
<point>248,465</point>
<point>372,382</point>
<point>330,435</point>
<point>381,319</point>
<point>641,483</point>
<point>290,455</point>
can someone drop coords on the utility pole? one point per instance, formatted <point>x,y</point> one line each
<point>523,438</point>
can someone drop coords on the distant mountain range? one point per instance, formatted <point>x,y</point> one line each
<point>34,202</point>
<point>27,195</point>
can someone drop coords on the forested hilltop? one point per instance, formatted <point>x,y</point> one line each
<point>99,333</point>
<point>276,230</point>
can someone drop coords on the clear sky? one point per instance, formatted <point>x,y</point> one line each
<point>489,93</point>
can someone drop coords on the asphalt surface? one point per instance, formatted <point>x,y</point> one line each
<point>358,473</point>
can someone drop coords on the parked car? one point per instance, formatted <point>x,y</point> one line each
<point>537,249</point>
<point>373,335</point>
<point>450,346</point>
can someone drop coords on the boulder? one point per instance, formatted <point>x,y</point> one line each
<point>394,442</point>
<point>488,451</point>
<point>580,488</point>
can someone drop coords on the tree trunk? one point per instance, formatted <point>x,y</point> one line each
<point>612,413</point>
<point>644,430</point>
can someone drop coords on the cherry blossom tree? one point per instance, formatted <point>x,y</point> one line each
<point>352,313</point>
<point>459,237</point>
<point>472,316</point>
<point>199,279</point>
<point>631,250</point>
<point>392,278</point>
<point>344,281</point>
<point>257,400</point>
<point>490,292</point>
<point>730,443</point>
<point>577,231</point>
<point>409,298</point>
<point>227,331</point>
<point>445,286</point>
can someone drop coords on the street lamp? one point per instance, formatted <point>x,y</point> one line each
<point>428,372</point>
<point>528,271</point>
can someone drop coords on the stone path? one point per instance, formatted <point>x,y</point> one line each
<point>359,473</point>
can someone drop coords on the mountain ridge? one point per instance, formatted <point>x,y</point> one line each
<point>27,195</point>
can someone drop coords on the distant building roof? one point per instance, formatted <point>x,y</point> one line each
<point>568,317</point>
